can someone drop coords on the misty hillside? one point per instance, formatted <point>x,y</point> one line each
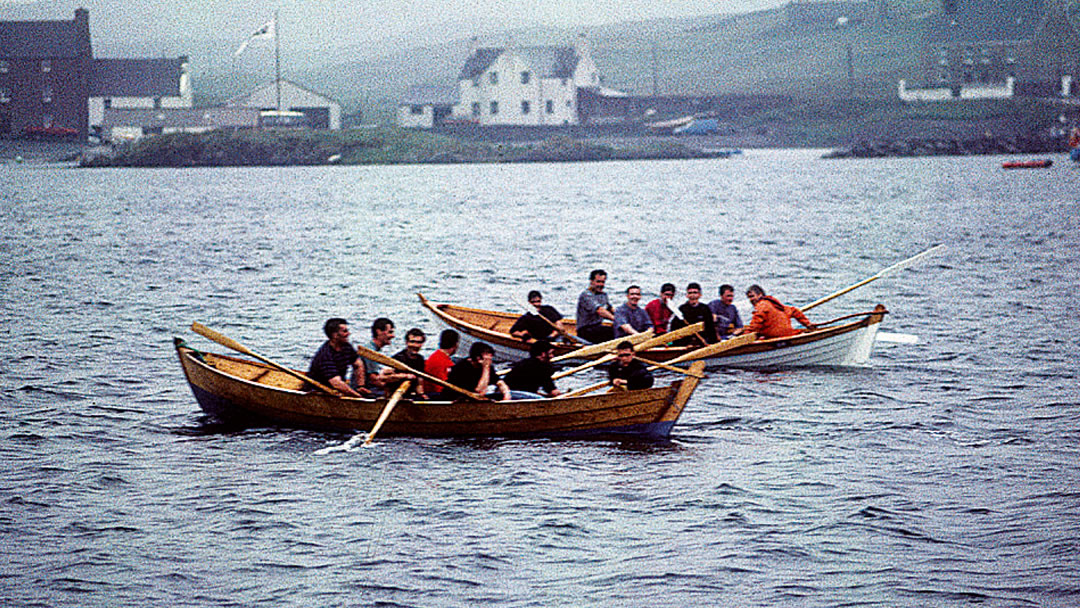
<point>713,54</point>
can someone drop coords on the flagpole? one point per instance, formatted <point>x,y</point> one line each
<point>277,60</point>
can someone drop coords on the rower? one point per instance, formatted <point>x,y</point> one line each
<point>724,313</point>
<point>631,318</point>
<point>592,308</point>
<point>545,323</point>
<point>533,375</point>
<point>771,318</point>
<point>626,371</point>
<point>332,361</point>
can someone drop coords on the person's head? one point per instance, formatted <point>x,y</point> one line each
<point>693,292</point>
<point>633,295</point>
<point>382,331</point>
<point>624,352</point>
<point>448,340</point>
<point>541,349</point>
<point>754,293</point>
<point>336,328</point>
<point>667,291</point>
<point>727,294</point>
<point>535,298</point>
<point>597,278</point>
<point>480,351</point>
<point>414,340</point>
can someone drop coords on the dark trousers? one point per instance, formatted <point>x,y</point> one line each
<point>596,333</point>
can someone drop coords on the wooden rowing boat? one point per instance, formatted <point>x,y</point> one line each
<point>252,393</point>
<point>847,344</point>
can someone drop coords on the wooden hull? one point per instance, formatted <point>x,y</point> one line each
<point>849,344</point>
<point>241,391</point>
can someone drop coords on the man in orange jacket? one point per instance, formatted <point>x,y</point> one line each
<point>771,318</point>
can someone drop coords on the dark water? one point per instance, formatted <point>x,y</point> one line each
<point>943,475</point>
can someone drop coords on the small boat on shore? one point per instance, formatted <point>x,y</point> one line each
<point>241,391</point>
<point>847,344</point>
<point>1040,163</point>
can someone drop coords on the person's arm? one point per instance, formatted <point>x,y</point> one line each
<point>605,313</point>
<point>801,318</point>
<point>504,389</point>
<point>520,329</point>
<point>757,321</point>
<point>339,383</point>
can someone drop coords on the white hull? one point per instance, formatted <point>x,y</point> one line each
<point>847,349</point>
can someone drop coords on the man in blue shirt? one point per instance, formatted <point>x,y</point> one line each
<point>331,363</point>
<point>724,313</point>
<point>631,318</point>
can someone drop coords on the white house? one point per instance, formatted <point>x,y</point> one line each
<point>526,86</point>
<point>425,106</point>
<point>138,84</point>
<point>322,112</point>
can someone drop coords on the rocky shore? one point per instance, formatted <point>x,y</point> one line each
<point>358,147</point>
<point>880,148</point>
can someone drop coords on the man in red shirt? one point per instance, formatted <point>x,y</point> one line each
<point>771,318</point>
<point>440,361</point>
<point>659,309</point>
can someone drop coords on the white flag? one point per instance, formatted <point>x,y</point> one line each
<point>266,31</point>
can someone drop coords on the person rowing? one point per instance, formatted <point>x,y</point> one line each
<point>533,375</point>
<point>631,318</point>
<point>545,324</point>
<point>772,319</point>
<point>332,361</point>
<point>593,308</point>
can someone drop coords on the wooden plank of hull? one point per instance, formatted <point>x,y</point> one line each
<point>836,348</point>
<point>222,390</point>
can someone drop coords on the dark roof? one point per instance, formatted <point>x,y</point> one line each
<point>546,61</point>
<point>137,77</point>
<point>44,39</point>
<point>430,95</point>
<point>975,21</point>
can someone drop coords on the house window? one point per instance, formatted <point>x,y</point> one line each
<point>5,95</point>
<point>475,82</point>
<point>525,107</point>
<point>494,107</point>
<point>46,65</point>
<point>5,66</point>
<point>157,103</point>
<point>47,120</point>
<point>550,106</point>
<point>476,108</point>
<point>525,77</point>
<point>416,110</point>
<point>47,94</point>
<point>108,102</point>
<point>493,78</point>
<point>564,81</point>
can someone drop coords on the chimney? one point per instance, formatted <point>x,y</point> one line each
<point>581,45</point>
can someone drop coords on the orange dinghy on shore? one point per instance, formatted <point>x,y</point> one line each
<point>1041,163</point>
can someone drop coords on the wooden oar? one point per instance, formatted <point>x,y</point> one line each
<point>389,407</point>
<point>641,346</point>
<point>228,342</point>
<point>376,356</point>
<point>715,349</point>
<point>891,269</point>
<point>603,347</point>
<point>670,368</point>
